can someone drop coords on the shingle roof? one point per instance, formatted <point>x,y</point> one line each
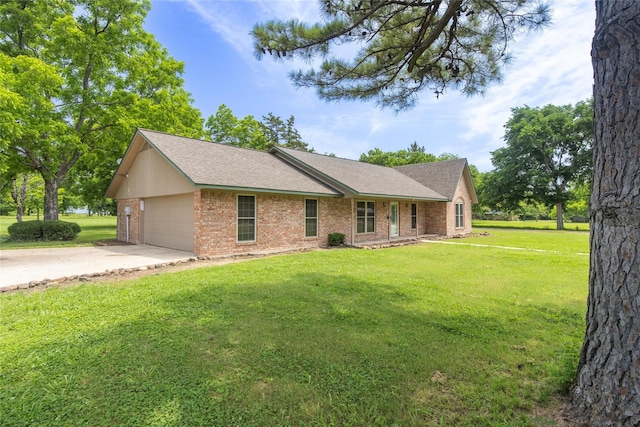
<point>360,178</point>
<point>218,165</point>
<point>282,170</point>
<point>443,177</point>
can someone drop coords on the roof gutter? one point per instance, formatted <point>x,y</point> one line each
<point>265,190</point>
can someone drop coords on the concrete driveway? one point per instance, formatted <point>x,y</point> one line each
<point>24,266</point>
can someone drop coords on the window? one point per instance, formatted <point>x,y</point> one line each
<point>459,215</point>
<point>365,217</point>
<point>414,216</point>
<point>246,218</point>
<point>311,218</point>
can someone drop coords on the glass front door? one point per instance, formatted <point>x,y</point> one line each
<point>393,219</point>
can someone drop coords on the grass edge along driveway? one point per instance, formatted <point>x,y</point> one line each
<point>415,335</point>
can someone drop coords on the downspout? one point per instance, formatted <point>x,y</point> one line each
<point>417,222</point>
<point>388,220</point>
<point>352,224</point>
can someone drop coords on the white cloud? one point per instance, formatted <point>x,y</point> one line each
<point>550,67</point>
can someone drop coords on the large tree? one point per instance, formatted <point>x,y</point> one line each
<point>79,71</point>
<point>547,150</point>
<point>408,46</point>
<point>607,392</point>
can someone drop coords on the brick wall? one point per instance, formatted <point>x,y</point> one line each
<point>280,222</point>
<point>135,233</point>
<point>461,195</point>
<point>433,217</point>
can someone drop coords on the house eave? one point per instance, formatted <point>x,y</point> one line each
<point>132,150</point>
<point>401,197</point>
<point>265,190</point>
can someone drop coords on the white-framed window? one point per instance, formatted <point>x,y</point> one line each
<point>310,218</point>
<point>365,217</point>
<point>459,214</point>
<point>246,218</point>
<point>414,216</point>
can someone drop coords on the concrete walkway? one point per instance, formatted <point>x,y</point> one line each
<point>24,266</point>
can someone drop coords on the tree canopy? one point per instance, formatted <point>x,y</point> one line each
<point>77,78</point>
<point>413,154</point>
<point>405,47</point>
<point>547,150</point>
<point>224,127</point>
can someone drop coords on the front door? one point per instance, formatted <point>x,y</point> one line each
<point>394,230</point>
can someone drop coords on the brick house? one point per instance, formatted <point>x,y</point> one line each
<point>215,199</point>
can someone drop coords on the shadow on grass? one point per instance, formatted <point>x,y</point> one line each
<point>315,349</point>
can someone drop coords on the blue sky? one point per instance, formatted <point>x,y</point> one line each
<point>212,38</point>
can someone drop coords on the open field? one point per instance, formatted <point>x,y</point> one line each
<point>429,334</point>
<point>530,225</point>
<point>93,228</point>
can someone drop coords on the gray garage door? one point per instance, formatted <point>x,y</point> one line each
<point>168,221</point>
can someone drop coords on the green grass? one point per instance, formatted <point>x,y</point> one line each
<point>93,228</point>
<point>530,225</point>
<point>418,335</point>
<point>568,242</point>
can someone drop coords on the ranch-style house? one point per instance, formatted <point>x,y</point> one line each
<point>215,199</point>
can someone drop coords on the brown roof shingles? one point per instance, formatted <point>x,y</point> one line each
<point>210,164</point>
<point>282,170</point>
<point>443,177</point>
<point>361,178</point>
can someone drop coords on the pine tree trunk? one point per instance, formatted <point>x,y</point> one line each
<point>51,199</point>
<point>607,392</point>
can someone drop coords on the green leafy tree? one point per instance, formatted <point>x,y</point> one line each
<point>578,203</point>
<point>426,35</point>
<point>412,155</point>
<point>405,46</point>
<point>26,193</point>
<point>81,73</point>
<point>224,127</point>
<point>547,150</point>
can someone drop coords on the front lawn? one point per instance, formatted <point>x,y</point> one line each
<point>92,228</point>
<point>530,225</point>
<point>428,334</point>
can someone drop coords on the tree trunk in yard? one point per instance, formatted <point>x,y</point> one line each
<point>607,391</point>
<point>19,196</point>
<point>51,198</point>
<point>560,216</point>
